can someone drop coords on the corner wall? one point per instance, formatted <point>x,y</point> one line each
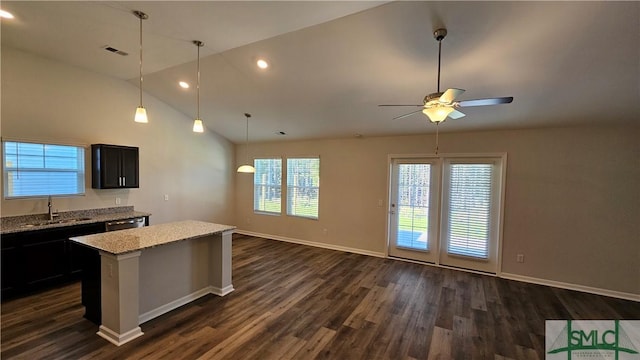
<point>572,203</point>
<point>44,100</point>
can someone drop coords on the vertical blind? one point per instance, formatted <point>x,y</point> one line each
<point>469,213</point>
<point>267,185</point>
<point>32,170</point>
<point>303,187</point>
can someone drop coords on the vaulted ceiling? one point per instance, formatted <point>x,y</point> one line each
<point>332,63</point>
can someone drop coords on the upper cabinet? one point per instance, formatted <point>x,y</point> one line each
<point>114,167</point>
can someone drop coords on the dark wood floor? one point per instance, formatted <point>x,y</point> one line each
<point>299,302</point>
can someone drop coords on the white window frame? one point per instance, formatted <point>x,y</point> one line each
<point>80,171</point>
<point>255,185</point>
<point>288,188</point>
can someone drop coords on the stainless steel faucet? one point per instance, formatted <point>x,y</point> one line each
<point>52,214</point>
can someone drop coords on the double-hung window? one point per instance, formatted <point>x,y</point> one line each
<point>36,170</point>
<point>267,186</point>
<point>303,187</point>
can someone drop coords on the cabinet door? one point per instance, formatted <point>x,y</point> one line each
<point>110,169</point>
<point>45,262</point>
<point>129,157</point>
<point>77,252</point>
<point>11,265</point>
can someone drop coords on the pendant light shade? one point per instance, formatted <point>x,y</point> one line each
<point>198,127</point>
<point>141,112</point>
<point>247,168</point>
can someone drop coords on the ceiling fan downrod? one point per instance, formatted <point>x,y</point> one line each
<point>439,35</point>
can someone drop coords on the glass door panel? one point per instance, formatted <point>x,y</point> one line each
<point>412,212</point>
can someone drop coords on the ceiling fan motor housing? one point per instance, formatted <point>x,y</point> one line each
<point>432,99</point>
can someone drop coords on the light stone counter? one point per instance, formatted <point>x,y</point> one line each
<point>124,241</point>
<point>149,271</point>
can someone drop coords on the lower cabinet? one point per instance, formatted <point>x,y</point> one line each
<point>36,260</point>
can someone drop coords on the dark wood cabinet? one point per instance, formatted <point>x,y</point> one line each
<point>35,260</point>
<point>11,259</point>
<point>114,166</point>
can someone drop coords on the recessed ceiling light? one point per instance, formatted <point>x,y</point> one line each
<point>6,15</point>
<point>262,64</point>
<point>183,84</point>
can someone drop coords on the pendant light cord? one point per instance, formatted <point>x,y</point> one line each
<point>140,59</point>
<point>198,85</point>
<point>246,142</point>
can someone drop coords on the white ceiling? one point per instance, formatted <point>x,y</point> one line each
<point>565,63</point>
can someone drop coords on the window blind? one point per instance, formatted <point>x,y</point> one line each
<point>469,213</point>
<point>303,187</point>
<point>35,170</point>
<point>267,185</point>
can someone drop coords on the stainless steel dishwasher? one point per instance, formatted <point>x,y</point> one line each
<point>124,224</point>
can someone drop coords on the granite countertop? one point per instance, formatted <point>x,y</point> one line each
<point>14,224</point>
<point>129,240</point>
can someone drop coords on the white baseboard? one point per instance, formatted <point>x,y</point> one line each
<point>152,314</point>
<point>119,339</point>
<point>552,283</point>
<point>221,291</point>
<point>569,286</point>
<point>311,243</point>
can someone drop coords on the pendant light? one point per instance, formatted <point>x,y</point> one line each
<point>247,168</point>
<point>141,112</point>
<point>198,127</point>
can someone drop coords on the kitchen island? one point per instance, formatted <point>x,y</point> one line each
<point>149,271</point>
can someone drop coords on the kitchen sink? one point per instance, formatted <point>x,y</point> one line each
<point>51,222</point>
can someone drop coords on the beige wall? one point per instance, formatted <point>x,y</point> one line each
<point>48,101</point>
<point>572,204</point>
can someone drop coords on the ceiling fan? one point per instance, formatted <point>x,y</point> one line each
<point>440,105</point>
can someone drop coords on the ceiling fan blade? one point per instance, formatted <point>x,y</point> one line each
<point>483,102</point>
<point>398,105</point>
<point>450,95</point>
<point>455,114</point>
<point>405,115</point>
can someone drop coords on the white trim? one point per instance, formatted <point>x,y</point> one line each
<point>569,286</point>
<point>221,291</point>
<point>152,314</point>
<point>312,243</point>
<point>119,339</point>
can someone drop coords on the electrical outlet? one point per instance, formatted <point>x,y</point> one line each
<point>118,201</point>
<point>520,258</point>
<point>380,203</point>
<point>325,232</point>
<point>166,197</point>
<point>248,220</point>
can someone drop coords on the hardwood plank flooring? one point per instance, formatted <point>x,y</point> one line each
<point>298,302</point>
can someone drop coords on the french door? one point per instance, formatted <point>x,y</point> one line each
<point>447,210</point>
<point>413,216</point>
